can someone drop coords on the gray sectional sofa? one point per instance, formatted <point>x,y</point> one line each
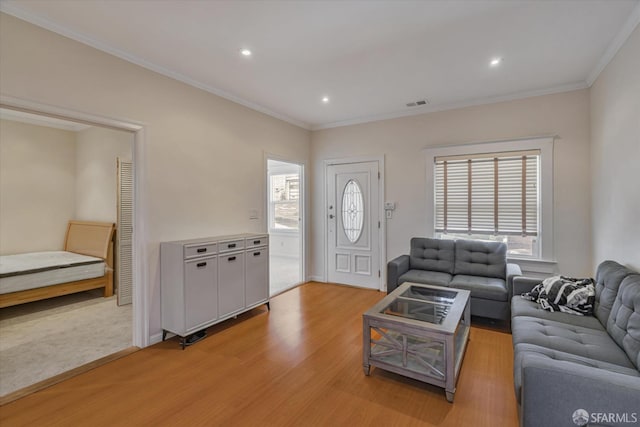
<point>564,362</point>
<point>479,267</point>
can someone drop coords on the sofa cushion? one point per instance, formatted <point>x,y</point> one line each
<point>482,287</point>
<point>555,356</point>
<point>432,255</point>
<point>624,320</point>
<point>523,307</point>
<point>608,278</point>
<point>475,258</point>
<point>426,277</point>
<point>587,342</point>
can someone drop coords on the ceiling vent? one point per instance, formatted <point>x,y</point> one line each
<point>418,103</point>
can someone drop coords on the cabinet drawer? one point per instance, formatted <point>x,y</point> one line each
<point>257,241</point>
<point>203,249</point>
<point>230,245</point>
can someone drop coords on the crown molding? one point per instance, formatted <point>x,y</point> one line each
<point>97,44</point>
<point>616,44</point>
<point>454,105</point>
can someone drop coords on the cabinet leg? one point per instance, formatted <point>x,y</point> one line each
<point>268,306</point>
<point>164,335</point>
<point>367,369</point>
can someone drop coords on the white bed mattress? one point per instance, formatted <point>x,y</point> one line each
<point>38,269</point>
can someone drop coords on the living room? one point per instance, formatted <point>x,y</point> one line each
<point>191,137</point>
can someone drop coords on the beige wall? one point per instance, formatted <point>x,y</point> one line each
<point>97,150</point>
<point>402,141</point>
<point>37,178</point>
<point>204,155</point>
<point>615,158</point>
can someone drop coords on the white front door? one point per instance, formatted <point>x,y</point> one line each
<point>353,224</point>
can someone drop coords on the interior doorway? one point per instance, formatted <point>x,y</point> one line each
<point>285,182</point>
<point>65,333</point>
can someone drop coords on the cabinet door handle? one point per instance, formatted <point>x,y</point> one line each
<point>201,250</point>
<point>201,264</point>
<point>231,245</point>
<point>256,242</point>
<point>232,258</point>
<point>256,254</point>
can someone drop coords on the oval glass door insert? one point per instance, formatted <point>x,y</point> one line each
<point>352,211</point>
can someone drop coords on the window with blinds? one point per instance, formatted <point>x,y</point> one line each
<point>494,194</point>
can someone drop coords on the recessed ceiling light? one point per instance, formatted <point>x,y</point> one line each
<point>325,99</point>
<point>495,62</point>
<point>245,52</point>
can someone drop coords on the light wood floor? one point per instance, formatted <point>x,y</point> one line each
<point>298,365</point>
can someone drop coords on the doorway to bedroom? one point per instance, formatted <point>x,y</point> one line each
<point>53,171</point>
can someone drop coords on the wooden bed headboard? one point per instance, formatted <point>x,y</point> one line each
<point>89,238</point>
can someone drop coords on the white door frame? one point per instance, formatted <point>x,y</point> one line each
<point>303,203</point>
<point>382,235</point>
<point>141,291</point>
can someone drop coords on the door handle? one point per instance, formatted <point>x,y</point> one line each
<point>330,216</point>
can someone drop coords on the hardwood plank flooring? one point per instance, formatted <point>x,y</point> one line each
<point>298,365</point>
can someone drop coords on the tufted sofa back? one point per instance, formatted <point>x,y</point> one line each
<point>475,258</point>
<point>432,254</point>
<point>609,276</point>
<point>624,321</point>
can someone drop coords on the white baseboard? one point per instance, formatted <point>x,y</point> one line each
<point>316,279</point>
<point>156,338</point>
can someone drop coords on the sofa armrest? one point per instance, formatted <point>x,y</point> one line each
<point>396,268</point>
<point>553,391</point>
<point>523,284</point>
<point>513,271</point>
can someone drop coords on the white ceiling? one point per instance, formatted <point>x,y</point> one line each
<point>370,57</point>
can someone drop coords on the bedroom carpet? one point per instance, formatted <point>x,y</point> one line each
<point>45,338</point>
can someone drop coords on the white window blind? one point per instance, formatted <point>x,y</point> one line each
<point>488,194</point>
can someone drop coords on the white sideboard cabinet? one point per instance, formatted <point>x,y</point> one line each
<point>208,280</point>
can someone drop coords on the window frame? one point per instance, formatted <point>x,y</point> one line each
<point>543,144</point>
<point>272,204</point>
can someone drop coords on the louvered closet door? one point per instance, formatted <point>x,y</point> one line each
<point>124,253</point>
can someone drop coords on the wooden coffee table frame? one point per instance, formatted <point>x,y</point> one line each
<point>417,342</point>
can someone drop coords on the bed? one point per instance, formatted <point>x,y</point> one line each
<point>86,263</point>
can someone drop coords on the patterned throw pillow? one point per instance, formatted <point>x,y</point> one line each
<point>565,294</point>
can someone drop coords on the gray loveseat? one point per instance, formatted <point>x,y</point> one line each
<point>479,267</point>
<point>564,362</point>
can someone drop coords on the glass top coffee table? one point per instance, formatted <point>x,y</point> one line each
<point>419,331</point>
